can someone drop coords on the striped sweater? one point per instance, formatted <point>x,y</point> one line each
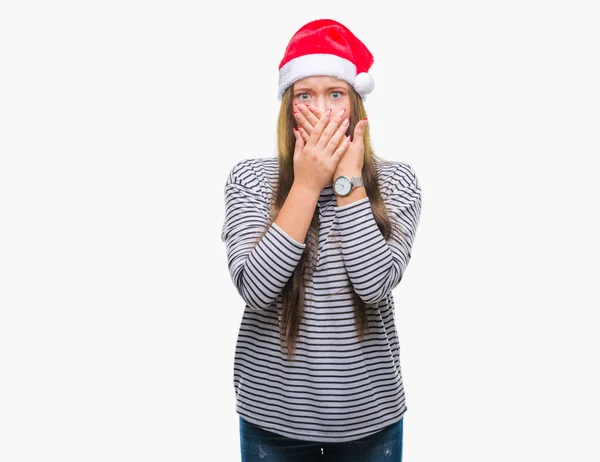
<point>337,388</point>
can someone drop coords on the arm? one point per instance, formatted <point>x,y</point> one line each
<point>260,270</point>
<point>375,266</point>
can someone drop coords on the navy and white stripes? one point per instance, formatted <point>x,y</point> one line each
<point>337,388</point>
<point>259,271</point>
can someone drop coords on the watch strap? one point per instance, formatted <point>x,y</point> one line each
<point>357,181</point>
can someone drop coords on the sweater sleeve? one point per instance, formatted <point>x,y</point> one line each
<point>259,269</point>
<point>375,266</point>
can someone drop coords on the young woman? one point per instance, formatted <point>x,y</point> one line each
<point>316,240</point>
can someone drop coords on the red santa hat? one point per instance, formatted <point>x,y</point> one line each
<point>326,47</point>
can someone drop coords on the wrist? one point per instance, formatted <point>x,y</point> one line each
<point>356,194</point>
<point>347,172</point>
<point>306,190</point>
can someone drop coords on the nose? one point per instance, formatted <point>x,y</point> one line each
<point>323,108</point>
<point>321,105</point>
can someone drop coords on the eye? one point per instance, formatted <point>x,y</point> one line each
<point>300,95</point>
<point>338,92</point>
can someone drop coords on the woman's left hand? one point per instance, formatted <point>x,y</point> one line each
<point>352,161</point>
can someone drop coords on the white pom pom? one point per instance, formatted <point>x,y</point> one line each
<point>364,83</point>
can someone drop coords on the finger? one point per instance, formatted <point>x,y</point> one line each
<point>341,150</point>
<point>311,117</point>
<point>331,128</point>
<point>359,130</point>
<point>314,110</point>
<point>301,120</point>
<point>304,134</point>
<point>337,137</point>
<point>318,129</point>
<point>299,142</point>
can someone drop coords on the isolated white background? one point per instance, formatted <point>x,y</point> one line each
<point>119,121</point>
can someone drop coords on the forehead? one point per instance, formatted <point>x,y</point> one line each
<point>320,82</point>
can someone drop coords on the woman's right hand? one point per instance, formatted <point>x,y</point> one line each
<point>316,160</point>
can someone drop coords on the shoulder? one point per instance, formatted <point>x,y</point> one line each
<point>254,173</point>
<point>396,175</point>
<point>257,177</point>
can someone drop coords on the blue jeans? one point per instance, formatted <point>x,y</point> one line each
<point>259,445</point>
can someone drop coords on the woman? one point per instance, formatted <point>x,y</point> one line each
<point>316,240</point>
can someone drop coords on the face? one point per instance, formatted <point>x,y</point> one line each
<point>323,92</point>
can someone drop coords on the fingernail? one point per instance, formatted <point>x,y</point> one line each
<point>296,114</point>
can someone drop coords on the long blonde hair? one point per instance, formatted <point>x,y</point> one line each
<point>293,292</point>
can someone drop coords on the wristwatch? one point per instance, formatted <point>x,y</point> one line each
<point>344,185</point>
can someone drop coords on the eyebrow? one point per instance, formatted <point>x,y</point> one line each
<point>337,87</point>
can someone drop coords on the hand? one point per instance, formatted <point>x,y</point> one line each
<point>307,117</point>
<point>352,162</point>
<point>317,158</point>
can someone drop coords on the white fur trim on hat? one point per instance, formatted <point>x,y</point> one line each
<point>322,64</point>
<point>364,83</point>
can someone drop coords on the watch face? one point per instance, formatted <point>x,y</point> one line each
<point>342,186</point>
